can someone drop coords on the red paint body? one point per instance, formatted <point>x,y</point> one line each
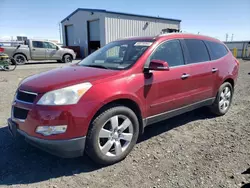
<point>160,92</point>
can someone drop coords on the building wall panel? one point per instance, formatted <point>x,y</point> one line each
<point>120,26</point>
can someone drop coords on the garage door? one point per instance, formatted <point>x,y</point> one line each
<point>94,30</point>
<point>69,35</point>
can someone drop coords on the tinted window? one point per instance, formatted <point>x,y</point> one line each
<point>216,50</point>
<point>37,44</point>
<point>49,45</point>
<point>197,51</point>
<point>170,52</point>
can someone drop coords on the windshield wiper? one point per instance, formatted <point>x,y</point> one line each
<point>97,66</point>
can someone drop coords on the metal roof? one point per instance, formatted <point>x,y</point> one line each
<point>119,13</point>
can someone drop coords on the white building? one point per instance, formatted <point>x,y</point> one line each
<point>93,28</point>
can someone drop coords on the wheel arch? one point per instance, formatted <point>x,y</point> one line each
<point>128,102</point>
<point>230,80</point>
<point>21,54</point>
<point>67,54</point>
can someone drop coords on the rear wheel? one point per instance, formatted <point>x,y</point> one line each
<point>20,59</point>
<point>223,99</point>
<point>112,135</point>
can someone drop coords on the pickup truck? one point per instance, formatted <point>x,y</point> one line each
<point>39,50</point>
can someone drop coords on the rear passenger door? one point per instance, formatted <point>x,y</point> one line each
<point>219,61</point>
<point>198,60</point>
<point>38,50</point>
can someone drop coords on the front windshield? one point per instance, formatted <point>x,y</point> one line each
<point>117,55</point>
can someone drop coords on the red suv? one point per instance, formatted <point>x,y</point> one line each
<point>102,104</point>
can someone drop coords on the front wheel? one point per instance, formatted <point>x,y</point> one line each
<point>67,58</point>
<point>223,99</point>
<point>112,135</point>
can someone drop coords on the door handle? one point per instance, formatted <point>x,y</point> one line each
<point>214,70</point>
<point>185,76</point>
<point>34,49</point>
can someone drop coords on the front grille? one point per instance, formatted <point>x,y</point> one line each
<point>26,96</point>
<point>20,113</point>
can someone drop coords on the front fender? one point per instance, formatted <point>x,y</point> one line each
<point>128,96</point>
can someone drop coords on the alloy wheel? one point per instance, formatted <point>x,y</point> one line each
<point>225,99</point>
<point>20,60</point>
<point>115,135</point>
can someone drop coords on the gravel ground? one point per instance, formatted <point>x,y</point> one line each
<point>195,149</point>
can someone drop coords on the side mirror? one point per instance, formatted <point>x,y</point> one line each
<point>158,65</point>
<point>57,48</point>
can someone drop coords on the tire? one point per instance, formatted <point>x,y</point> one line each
<point>96,147</point>
<point>221,105</point>
<point>20,59</point>
<point>67,58</point>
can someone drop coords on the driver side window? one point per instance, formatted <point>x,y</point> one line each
<point>49,45</point>
<point>170,52</point>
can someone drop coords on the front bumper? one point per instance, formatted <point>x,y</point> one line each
<point>74,56</point>
<point>63,148</point>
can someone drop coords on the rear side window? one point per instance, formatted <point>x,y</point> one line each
<point>197,51</point>
<point>37,44</point>
<point>216,50</point>
<point>170,52</point>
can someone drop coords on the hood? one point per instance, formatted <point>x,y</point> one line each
<point>63,77</point>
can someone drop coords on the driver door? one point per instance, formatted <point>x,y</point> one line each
<point>52,51</point>
<point>168,90</point>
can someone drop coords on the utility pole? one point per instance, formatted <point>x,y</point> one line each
<point>60,32</point>
<point>232,37</point>
<point>226,37</point>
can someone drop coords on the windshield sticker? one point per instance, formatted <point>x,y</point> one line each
<point>143,44</point>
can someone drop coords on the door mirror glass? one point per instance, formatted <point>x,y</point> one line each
<point>159,65</point>
<point>57,48</point>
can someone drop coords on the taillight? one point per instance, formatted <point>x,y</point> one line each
<point>1,49</point>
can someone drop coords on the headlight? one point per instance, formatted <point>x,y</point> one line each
<point>50,130</point>
<point>65,96</point>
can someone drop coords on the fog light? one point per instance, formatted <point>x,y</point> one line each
<point>50,130</point>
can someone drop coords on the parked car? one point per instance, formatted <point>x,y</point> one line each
<point>102,104</point>
<point>40,50</point>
